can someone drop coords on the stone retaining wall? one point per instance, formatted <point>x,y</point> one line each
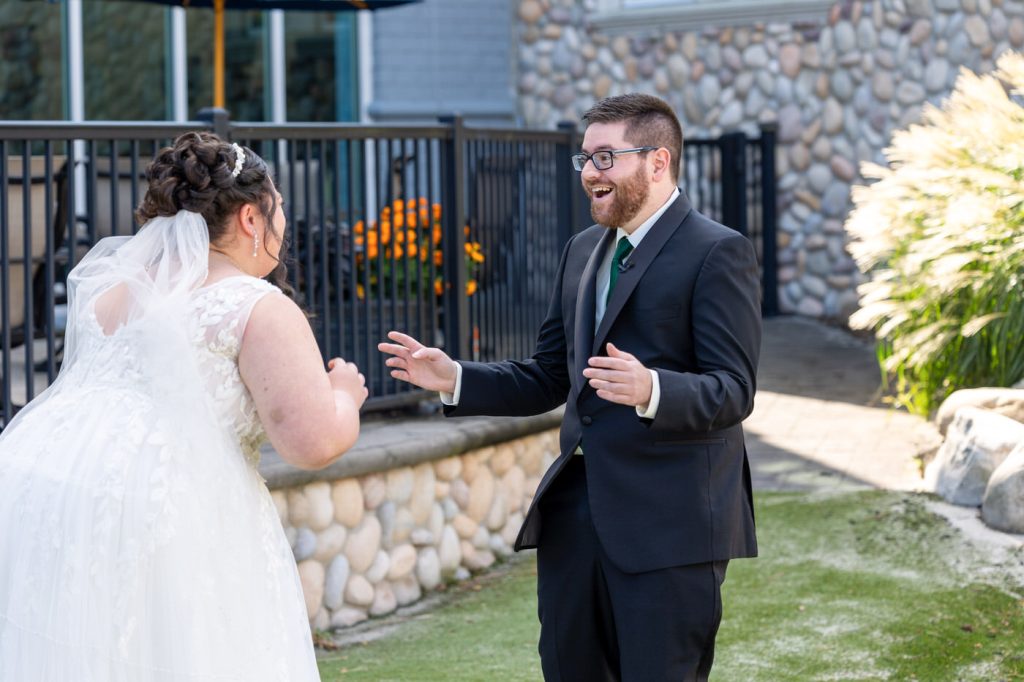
<point>837,84</point>
<point>370,543</point>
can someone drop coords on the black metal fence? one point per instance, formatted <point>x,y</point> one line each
<point>450,233</point>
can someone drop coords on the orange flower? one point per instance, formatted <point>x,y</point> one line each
<point>438,258</point>
<point>385,231</point>
<point>438,287</point>
<point>437,211</point>
<point>399,220</point>
<point>399,252</point>
<point>470,287</point>
<point>466,230</point>
<point>424,217</point>
<point>436,237</point>
<point>359,227</point>
<point>473,251</point>
<point>360,291</point>
<point>371,250</point>
<point>399,205</point>
<point>411,249</point>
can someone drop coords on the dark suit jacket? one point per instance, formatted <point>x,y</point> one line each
<point>674,490</point>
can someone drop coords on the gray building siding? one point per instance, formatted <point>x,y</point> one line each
<point>440,57</point>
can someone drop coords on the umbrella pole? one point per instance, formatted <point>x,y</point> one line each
<point>218,53</point>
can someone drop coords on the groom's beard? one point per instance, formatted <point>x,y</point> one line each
<point>628,197</point>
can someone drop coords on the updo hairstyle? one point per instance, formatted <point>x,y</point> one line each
<point>195,174</point>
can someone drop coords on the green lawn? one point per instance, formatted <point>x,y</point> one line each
<point>852,586</point>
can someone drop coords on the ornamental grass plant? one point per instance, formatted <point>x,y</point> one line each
<point>941,236</point>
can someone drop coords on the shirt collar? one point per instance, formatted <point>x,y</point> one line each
<point>638,233</point>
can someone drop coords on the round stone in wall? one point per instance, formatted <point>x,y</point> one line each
<point>375,490</point>
<point>330,542</point>
<point>402,561</point>
<point>362,544</point>
<point>321,509</point>
<point>449,552</point>
<point>347,496</point>
<point>407,590</point>
<point>347,617</point>
<point>334,586</point>
<point>384,601</point>
<point>379,569</point>
<point>305,543</point>
<point>428,568</point>
<point>399,482</point>
<point>359,591</point>
<point>448,469</point>
<point>311,574</point>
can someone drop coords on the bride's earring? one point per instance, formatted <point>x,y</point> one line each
<point>255,244</point>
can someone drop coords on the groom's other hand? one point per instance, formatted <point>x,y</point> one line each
<point>411,361</point>
<point>620,378</point>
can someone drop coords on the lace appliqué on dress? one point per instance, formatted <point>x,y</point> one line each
<point>223,310</point>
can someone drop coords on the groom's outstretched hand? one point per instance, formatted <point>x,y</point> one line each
<point>411,361</point>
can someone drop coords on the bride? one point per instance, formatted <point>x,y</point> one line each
<point>138,541</point>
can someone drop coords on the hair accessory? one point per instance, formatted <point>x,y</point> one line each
<point>239,160</point>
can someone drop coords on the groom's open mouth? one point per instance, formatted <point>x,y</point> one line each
<point>600,193</point>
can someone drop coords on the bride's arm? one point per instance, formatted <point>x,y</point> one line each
<point>311,415</point>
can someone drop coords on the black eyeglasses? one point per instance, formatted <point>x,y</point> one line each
<point>605,158</point>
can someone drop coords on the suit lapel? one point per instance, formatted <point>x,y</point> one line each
<point>583,333</point>
<point>640,259</point>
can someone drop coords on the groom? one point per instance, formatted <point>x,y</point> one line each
<point>651,342</point>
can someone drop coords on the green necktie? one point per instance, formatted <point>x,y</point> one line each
<point>622,250</point>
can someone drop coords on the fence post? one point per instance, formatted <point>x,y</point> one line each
<point>218,119</point>
<point>568,201</point>
<point>455,302</point>
<point>733,148</point>
<point>769,209</point>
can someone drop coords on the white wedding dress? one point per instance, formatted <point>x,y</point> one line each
<point>138,541</point>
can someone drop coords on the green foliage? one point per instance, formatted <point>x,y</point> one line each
<point>940,234</point>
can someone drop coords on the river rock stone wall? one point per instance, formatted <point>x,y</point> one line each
<point>366,545</point>
<point>837,86</point>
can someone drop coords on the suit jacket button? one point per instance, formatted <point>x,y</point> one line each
<point>586,420</point>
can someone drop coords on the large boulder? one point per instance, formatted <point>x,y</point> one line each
<point>1006,401</point>
<point>976,443</point>
<point>1003,504</point>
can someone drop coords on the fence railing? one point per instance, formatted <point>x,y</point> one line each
<point>450,233</point>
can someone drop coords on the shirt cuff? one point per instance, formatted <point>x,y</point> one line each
<point>652,407</point>
<point>453,398</point>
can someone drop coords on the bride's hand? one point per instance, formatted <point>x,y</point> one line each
<point>411,361</point>
<point>345,377</point>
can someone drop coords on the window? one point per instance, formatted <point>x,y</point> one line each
<point>319,62</point>
<point>631,15</point>
<point>243,62</point>
<point>125,52</point>
<point>30,61</point>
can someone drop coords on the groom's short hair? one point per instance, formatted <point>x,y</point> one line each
<point>650,122</point>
